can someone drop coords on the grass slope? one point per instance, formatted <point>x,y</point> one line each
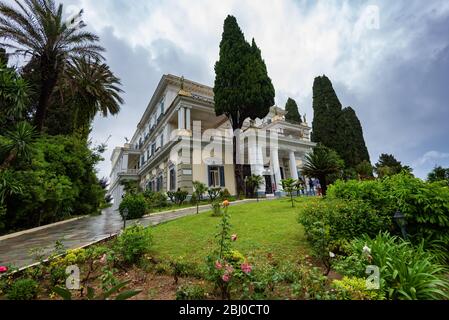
<point>268,227</point>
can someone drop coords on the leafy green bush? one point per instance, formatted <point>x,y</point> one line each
<point>23,289</point>
<point>406,271</point>
<point>156,200</point>
<point>136,205</point>
<point>355,289</point>
<point>180,197</point>
<point>190,292</point>
<point>425,205</point>
<point>344,219</point>
<point>133,243</point>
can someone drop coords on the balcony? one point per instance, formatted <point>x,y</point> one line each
<point>129,172</point>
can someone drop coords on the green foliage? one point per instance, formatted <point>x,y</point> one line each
<point>106,295</point>
<point>242,87</point>
<point>439,174</point>
<point>23,289</point>
<point>425,205</point>
<point>190,292</point>
<point>293,115</point>
<point>216,208</point>
<point>213,193</point>
<point>180,197</point>
<point>289,185</point>
<point>407,272</point>
<point>389,166</point>
<point>157,200</point>
<point>355,289</point>
<point>365,170</point>
<point>17,144</point>
<point>133,244</point>
<point>59,182</point>
<point>200,189</point>
<point>135,204</point>
<point>322,163</point>
<point>329,223</point>
<point>253,183</point>
<point>130,186</point>
<point>14,95</point>
<point>335,128</point>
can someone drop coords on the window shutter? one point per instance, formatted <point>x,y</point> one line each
<point>222,177</point>
<point>208,176</point>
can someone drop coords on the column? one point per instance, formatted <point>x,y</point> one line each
<point>260,168</point>
<point>181,118</point>
<point>276,169</point>
<point>293,168</point>
<point>188,124</point>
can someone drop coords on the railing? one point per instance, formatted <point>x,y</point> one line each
<point>129,172</point>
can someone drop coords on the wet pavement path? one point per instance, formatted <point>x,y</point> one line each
<point>76,234</point>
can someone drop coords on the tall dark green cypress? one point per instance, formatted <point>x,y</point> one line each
<point>351,144</point>
<point>335,128</point>
<point>293,115</point>
<point>242,88</point>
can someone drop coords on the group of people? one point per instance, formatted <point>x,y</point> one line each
<point>311,187</point>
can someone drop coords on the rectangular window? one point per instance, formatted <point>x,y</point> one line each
<point>159,184</point>
<point>172,179</point>
<point>162,140</point>
<point>153,149</point>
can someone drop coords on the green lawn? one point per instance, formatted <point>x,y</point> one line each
<point>262,228</point>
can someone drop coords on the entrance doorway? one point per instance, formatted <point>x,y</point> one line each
<point>268,185</point>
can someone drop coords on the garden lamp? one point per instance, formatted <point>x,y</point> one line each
<point>399,217</point>
<point>125,216</point>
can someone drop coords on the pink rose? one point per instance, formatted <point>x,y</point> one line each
<point>218,265</point>
<point>234,237</point>
<point>247,268</point>
<point>3,269</point>
<point>226,277</point>
<point>229,269</point>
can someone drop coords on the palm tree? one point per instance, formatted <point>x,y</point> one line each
<point>254,182</point>
<point>92,88</point>
<point>36,29</point>
<point>17,143</point>
<point>321,163</point>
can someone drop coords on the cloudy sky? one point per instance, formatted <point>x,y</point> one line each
<point>389,60</point>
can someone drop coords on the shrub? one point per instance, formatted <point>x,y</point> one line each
<point>136,205</point>
<point>355,289</point>
<point>213,193</point>
<point>425,205</point>
<point>180,197</point>
<point>23,289</point>
<point>343,219</point>
<point>407,272</point>
<point>225,195</point>
<point>157,200</point>
<point>216,208</point>
<point>190,292</point>
<point>133,243</point>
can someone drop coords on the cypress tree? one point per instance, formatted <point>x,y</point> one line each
<point>242,87</point>
<point>335,128</point>
<point>351,145</point>
<point>293,115</point>
<point>327,109</point>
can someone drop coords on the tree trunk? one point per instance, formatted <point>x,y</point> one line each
<point>238,168</point>
<point>7,162</point>
<point>49,77</point>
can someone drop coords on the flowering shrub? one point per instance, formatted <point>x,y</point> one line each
<point>227,268</point>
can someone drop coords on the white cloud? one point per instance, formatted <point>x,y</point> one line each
<point>431,158</point>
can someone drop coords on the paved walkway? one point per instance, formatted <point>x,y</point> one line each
<point>76,234</point>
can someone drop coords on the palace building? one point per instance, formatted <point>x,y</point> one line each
<point>179,139</point>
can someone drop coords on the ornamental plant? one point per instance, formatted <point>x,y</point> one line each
<point>227,267</point>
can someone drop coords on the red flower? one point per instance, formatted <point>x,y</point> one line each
<point>3,269</point>
<point>246,268</point>
<point>226,277</point>
<point>234,237</point>
<point>218,265</point>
